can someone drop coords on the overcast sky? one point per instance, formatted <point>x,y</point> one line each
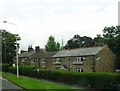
<point>36,20</point>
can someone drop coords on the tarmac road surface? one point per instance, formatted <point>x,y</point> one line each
<point>7,85</point>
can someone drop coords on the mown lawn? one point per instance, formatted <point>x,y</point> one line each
<point>31,83</point>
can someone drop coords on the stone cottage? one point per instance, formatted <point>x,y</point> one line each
<point>89,59</point>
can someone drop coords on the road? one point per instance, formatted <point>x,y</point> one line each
<point>7,85</point>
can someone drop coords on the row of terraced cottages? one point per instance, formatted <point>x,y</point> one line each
<point>89,59</point>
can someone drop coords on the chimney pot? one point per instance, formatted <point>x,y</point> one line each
<point>37,48</point>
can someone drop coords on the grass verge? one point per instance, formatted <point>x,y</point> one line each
<point>32,84</point>
<point>0,73</point>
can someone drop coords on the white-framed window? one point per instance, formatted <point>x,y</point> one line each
<point>23,60</point>
<point>32,61</point>
<point>43,60</point>
<point>79,59</point>
<point>79,69</point>
<point>44,67</point>
<point>58,60</point>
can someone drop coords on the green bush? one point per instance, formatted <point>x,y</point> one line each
<point>27,71</point>
<point>44,74</point>
<point>64,76</point>
<point>23,70</point>
<point>100,80</point>
<point>5,67</point>
<point>93,80</point>
<point>13,70</point>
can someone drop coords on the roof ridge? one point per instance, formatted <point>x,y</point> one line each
<point>83,48</point>
<point>80,52</point>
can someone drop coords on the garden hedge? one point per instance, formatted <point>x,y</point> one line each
<point>99,80</point>
<point>5,67</point>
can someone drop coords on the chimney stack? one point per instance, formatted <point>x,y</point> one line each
<point>30,48</point>
<point>37,48</point>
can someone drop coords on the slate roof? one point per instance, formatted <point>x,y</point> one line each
<point>37,55</point>
<point>42,54</point>
<point>27,54</point>
<point>79,52</point>
<point>49,54</point>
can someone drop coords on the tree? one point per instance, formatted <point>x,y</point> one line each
<point>77,42</point>
<point>99,41</point>
<point>87,41</point>
<point>52,45</point>
<point>112,39</point>
<point>58,46</point>
<point>8,46</point>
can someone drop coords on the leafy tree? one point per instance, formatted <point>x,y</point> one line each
<point>87,41</point>
<point>58,46</point>
<point>99,41</point>
<point>52,45</point>
<point>77,42</point>
<point>112,39</point>
<point>8,46</point>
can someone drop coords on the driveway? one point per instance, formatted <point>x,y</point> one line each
<point>7,85</point>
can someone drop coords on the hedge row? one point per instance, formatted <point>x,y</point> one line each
<point>94,80</point>
<point>4,67</point>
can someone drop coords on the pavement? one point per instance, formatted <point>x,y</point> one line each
<point>7,85</point>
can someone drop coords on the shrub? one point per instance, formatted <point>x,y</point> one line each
<point>94,80</point>
<point>64,76</point>
<point>100,80</point>
<point>5,67</point>
<point>13,70</point>
<point>27,70</point>
<point>23,70</point>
